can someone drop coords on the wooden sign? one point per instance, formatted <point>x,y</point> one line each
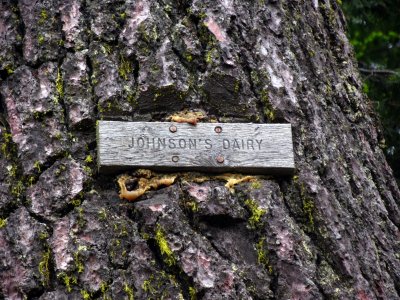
<point>206,147</point>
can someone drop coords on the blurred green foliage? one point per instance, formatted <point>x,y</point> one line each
<point>374,30</point>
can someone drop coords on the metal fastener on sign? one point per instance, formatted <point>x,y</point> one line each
<point>175,158</point>
<point>172,128</point>
<point>218,129</point>
<point>220,159</point>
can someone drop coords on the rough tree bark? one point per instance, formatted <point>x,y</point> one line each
<point>329,232</point>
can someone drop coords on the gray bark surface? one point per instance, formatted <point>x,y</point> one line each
<point>331,231</point>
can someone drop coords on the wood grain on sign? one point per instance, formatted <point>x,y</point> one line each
<point>206,147</point>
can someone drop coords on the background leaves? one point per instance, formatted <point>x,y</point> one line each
<point>374,30</point>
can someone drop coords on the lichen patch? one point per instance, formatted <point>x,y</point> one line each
<point>190,117</point>
<point>145,180</point>
<point>234,179</point>
<point>144,184</point>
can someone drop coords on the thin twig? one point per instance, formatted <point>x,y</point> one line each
<point>379,72</point>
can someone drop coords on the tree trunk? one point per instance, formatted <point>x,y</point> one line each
<point>329,232</point>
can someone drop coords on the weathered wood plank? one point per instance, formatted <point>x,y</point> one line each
<point>207,147</point>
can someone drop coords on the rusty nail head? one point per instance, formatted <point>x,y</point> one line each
<point>220,158</point>
<point>218,129</point>
<point>172,128</point>
<point>175,158</point>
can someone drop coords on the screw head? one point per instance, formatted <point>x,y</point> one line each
<point>220,159</point>
<point>218,129</point>
<point>175,158</point>
<point>172,128</point>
